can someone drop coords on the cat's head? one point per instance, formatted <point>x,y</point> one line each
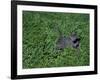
<point>75,40</point>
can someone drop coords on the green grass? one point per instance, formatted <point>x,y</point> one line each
<point>40,36</point>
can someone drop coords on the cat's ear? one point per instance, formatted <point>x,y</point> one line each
<point>73,33</point>
<point>76,40</point>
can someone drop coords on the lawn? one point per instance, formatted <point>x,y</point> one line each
<point>40,36</point>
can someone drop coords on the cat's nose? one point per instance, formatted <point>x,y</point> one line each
<point>76,45</point>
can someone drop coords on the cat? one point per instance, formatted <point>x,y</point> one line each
<point>63,41</point>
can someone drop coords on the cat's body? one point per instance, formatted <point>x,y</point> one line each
<point>62,43</point>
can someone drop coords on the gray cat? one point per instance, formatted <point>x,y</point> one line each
<point>70,41</point>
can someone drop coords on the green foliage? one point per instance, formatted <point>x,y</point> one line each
<point>40,36</point>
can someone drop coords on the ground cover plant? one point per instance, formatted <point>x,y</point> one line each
<point>40,36</point>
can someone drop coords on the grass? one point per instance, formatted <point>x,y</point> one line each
<point>40,36</point>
